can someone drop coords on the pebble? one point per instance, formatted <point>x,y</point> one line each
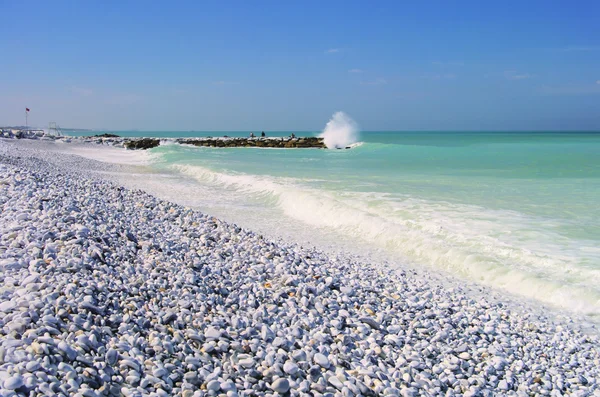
<point>109,291</point>
<point>111,356</point>
<point>335,382</point>
<point>321,360</point>
<point>290,367</point>
<point>7,306</point>
<point>281,385</point>
<point>67,350</point>
<point>370,322</point>
<point>212,333</point>
<point>13,383</point>
<point>213,385</point>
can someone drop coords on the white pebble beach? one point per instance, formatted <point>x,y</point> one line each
<point>109,291</point>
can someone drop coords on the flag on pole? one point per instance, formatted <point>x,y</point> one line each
<point>27,109</point>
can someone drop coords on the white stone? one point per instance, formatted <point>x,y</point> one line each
<point>212,333</point>
<point>14,382</point>
<point>321,360</point>
<point>290,367</point>
<point>281,385</point>
<point>7,306</point>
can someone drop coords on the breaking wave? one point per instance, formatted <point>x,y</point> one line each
<point>340,131</point>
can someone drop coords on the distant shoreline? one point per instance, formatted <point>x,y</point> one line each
<point>143,143</point>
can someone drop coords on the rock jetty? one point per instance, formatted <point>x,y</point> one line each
<point>282,143</point>
<point>141,143</point>
<point>106,291</point>
<point>149,143</point>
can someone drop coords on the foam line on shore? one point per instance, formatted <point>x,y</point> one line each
<point>108,154</point>
<point>451,238</point>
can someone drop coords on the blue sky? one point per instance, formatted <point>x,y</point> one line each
<point>281,65</point>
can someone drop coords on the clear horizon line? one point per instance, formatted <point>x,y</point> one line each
<point>318,131</point>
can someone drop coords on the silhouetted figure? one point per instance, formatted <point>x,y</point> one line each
<point>263,134</point>
<point>252,135</point>
<point>293,135</point>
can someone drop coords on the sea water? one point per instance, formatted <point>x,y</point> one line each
<point>517,211</point>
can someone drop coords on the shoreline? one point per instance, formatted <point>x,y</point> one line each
<point>134,170</point>
<point>328,317</point>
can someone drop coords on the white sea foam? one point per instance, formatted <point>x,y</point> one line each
<point>170,142</point>
<point>110,154</point>
<point>340,131</point>
<point>452,237</point>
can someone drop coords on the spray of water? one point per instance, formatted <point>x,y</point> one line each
<point>340,131</point>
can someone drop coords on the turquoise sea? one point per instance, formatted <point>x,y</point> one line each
<point>518,211</point>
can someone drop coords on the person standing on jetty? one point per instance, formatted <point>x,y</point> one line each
<point>262,134</point>
<point>252,135</point>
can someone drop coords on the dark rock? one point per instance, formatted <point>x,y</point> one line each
<point>308,142</point>
<point>106,136</point>
<point>143,143</point>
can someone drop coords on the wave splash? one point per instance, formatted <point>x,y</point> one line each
<point>340,131</point>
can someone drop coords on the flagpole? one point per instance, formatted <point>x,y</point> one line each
<point>26,125</point>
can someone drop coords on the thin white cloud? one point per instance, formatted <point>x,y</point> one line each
<point>597,81</point>
<point>355,71</point>
<point>375,82</point>
<point>333,50</point>
<point>81,91</point>
<point>514,75</point>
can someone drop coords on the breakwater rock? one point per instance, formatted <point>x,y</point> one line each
<point>283,143</point>
<point>106,136</point>
<point>142,143</point>
<point>149,143</point>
